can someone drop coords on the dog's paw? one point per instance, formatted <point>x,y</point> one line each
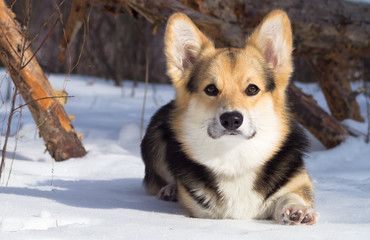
<point>299,215</point>
<point>168,193</point>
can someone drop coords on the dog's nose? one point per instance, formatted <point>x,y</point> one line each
<point>231,120</point>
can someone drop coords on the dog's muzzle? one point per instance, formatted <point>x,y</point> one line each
<point>228,124</point>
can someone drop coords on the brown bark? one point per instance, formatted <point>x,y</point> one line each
<point>317,24</point>
<point>334,83</point>
<point>322,125</point>
<point>74,23</point>
<point>54,125</point>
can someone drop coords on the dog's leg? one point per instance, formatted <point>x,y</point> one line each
<point>291,209</point>
<point>168,193</point>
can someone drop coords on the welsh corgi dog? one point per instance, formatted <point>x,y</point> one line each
<point>227,146</point>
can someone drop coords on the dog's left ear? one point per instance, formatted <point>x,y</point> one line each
<point>273,37</point>
<point>184,42</point>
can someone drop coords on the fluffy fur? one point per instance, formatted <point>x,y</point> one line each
<point>226,147</point>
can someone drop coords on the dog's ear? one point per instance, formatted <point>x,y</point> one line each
<point>273,37</point>
<point>183,44</point>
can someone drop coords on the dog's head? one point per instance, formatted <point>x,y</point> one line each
<point>230,93</point>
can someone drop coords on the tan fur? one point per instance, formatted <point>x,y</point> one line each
<point>303,187</point>
<point>299,185</point>
<point>283,66</point>
<point>174,68</point>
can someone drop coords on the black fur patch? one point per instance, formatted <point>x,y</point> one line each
<point>200,199</point>
<point>232,56</point>
<point>192,175</point>
<point>192,87</point>
<point>269,78</point>
<point>155,136</point>
<point>284,165</point>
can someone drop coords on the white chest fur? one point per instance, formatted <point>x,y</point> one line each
<point>240,200</point>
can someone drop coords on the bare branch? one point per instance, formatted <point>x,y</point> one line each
<point>40,99</point>
<point>42,44</point>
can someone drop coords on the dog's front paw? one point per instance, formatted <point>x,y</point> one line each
<point>168,193</point>
<point>298,214</point>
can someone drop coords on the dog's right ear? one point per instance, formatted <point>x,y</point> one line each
<point>273,37</point>
<point>183,44</point>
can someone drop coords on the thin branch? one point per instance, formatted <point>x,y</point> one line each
<point>15,147</point>
<point>42,44</point>
<point>10,118</point>
<point>13,111</point>
<point>86,29</point>
<point>145,92</point>
<point>44,25</point>
<point>16,52</point>
<point>29,13</point>
<point>3,153</point>
<point>58,9</point>
<point>367,99</point>
<point>11,6</point>
<point>39,99</point>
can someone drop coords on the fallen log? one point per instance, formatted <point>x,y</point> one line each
<point>322,125</point>
<point>61,140</point>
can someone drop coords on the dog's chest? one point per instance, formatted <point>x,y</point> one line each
<point>240,201</point>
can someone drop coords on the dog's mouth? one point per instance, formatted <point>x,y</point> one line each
<point>216,133</point>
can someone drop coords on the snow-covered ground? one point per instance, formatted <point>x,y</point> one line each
<point>100,196</point>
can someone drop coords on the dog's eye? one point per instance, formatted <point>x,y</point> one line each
<point>211,90</point>
<point>252,90</point>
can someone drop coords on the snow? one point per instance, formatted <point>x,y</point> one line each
<point>359,1</point>
<point>100,196</point>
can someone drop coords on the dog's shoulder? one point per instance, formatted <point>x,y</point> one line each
<point>285,164</point>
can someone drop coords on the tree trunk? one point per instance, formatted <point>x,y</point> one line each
<point>54,125</point>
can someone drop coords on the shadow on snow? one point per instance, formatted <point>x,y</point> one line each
<point>99,194</point>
